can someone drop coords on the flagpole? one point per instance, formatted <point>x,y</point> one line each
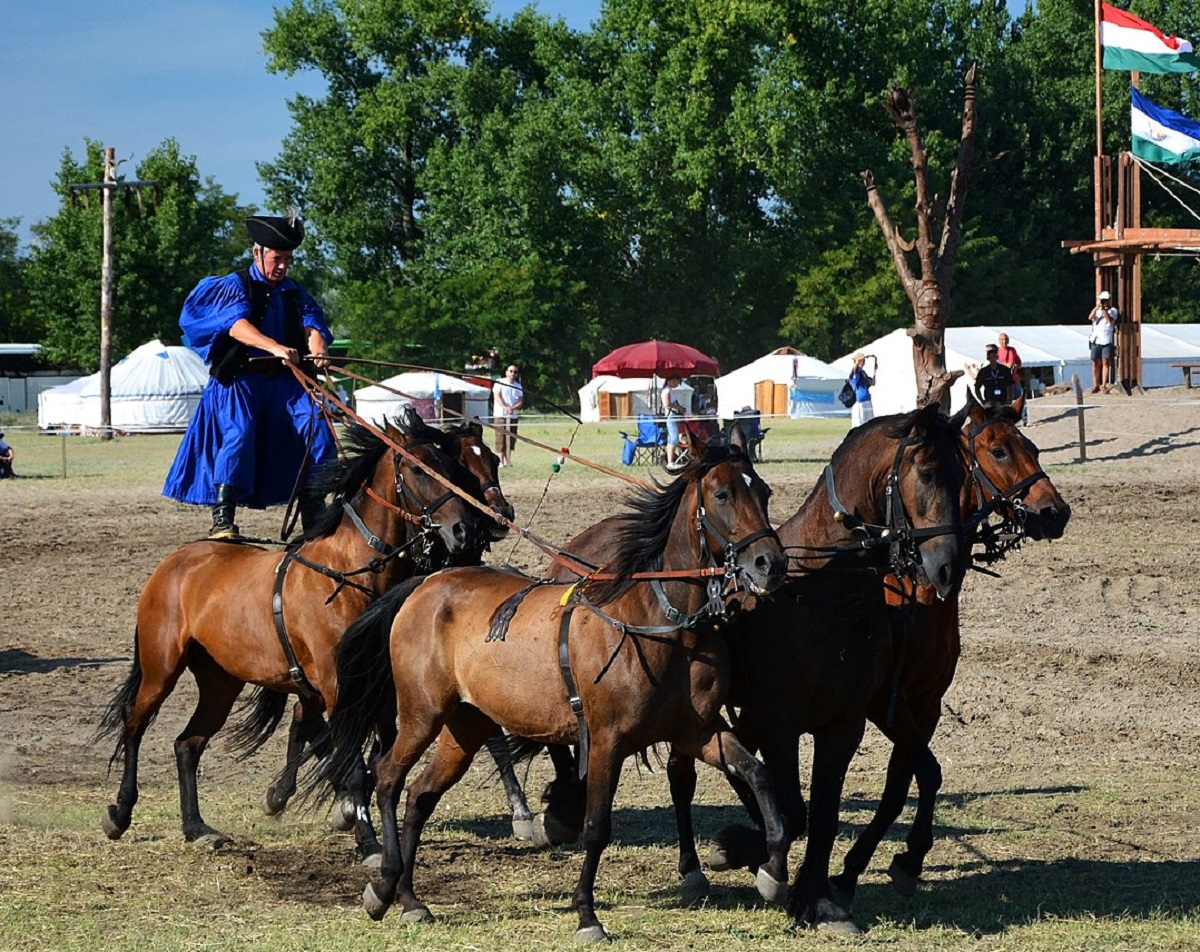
<point>1099,90</point>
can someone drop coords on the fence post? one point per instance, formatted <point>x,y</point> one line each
<point>1079,414</point>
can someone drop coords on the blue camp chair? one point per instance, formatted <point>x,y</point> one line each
<point>648,446</point>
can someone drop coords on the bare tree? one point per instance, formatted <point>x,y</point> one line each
<point>930,293</point>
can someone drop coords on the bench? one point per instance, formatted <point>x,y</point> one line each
<point>1187,372</point>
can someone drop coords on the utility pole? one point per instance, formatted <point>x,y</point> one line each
<point>107,187</point>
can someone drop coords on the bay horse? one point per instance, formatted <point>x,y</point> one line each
<point>235,613</point>
<point>479,475</point>
<point>1005,476</point>
<point>615,664</point>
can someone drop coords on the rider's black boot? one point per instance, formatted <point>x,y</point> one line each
<point>223,526</point>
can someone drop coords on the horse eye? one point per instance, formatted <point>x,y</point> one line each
<point>999,453</point>
<point>927,476</point>
<point>722,495</point>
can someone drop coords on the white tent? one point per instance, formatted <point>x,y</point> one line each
<point>422,389</point>
<point>155,388</point>
<point>1056,351</point>
<point>605,397</point>
<point>783,381</point>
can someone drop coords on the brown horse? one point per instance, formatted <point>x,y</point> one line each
<point>209,607</point>
<point>615,664</point>
<point>478,474</point>
<point>1007,478</point>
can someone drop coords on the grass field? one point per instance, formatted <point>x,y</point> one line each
<point>1054,841</point>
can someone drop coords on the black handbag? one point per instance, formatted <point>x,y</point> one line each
<point>846,395</point>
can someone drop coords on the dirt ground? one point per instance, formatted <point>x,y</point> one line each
<point>1083,656</point>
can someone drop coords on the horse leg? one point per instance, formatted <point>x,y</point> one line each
<point>522,817</point>
<point>905,869</point>
<point>724,751</point>
<point>604,772</point>
<point>465,731</point>
<point>218,693</point>
<point>565,799</point>
<point>280,791</point>
<point>131,711</point>
<point>681,776</point>
<point>811,901</point>
<point>391,769</point>
<point>891,804</point>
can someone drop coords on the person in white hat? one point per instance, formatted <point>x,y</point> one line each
<point>1103,318</point>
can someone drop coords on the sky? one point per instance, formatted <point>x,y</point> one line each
<point>131,74</point>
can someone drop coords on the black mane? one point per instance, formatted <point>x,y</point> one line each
<point>646,526</point>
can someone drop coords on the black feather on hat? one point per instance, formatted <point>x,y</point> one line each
<point>279,233</point>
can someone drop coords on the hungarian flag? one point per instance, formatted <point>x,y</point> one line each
<point>1162,136</point>
<point>1133,44</point>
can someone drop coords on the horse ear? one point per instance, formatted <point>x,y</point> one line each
<point>737,437</point>
<point>1018,405</point>
<point>476,428</point>
<point>974,409</point>
<point>696,447</point>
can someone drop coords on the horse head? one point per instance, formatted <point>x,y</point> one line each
<point>894,482</point>
<point>1006,474</point>
<point>482,467</point>
<point>416,481</point>
<point>731,523</point>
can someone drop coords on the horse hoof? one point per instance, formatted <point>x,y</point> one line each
<point>112,829</point>
<point>902,880</point>
<point>839,927</point>
<point>523,829</point>
<point>842,891</point>
<point>558,832</point>
<point>591,934</point>
<point>771,889</point>
<point>416,914</point>
<point>718,859</point>
<point>272,805</point>
<point>212,839</point>
<point>373,860</point>
<point>695,886</point>
<point>374,906</point>
<point>343,816</point>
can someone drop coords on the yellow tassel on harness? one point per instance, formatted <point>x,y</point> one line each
<point>567,595</point>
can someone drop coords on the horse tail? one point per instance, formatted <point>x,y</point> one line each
<point>113,719</point>
<point>262,712</point>
<point>365,693</point>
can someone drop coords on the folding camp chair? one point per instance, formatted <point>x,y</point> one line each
<point>648,446</point>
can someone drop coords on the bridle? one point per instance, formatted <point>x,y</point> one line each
<point>997,540</point>
<point>897,531</point>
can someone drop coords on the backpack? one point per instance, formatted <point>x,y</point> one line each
<point>846,395</point>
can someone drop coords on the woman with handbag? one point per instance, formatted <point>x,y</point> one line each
<point>862,382</point>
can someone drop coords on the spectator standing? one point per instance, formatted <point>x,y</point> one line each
<point>1008,357</point>
<point>508,396</point>
<point>7,454</point>
<point>672,409</point>
<point>993,382</point>
<point>1103,318</point>
<point>862,382</point>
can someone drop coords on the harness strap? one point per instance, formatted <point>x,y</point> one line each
<point>568,603</point>
<point>304,687</point>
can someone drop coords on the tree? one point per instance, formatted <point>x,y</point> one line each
<point>163,244</point>
<point>931,294</point>
<point>18,321</point>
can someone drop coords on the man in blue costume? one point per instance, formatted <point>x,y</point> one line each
<point>256,429</point>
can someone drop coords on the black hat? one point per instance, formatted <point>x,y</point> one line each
<point>281,234</point>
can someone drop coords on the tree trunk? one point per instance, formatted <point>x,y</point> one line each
<point>931,293</point>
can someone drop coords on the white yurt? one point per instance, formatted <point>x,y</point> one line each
<point>785,381</point>
<point>423,389</point>
<point>621,398</point>
<point>155,389</point>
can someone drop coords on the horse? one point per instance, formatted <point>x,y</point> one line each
<point>1005,476</point>
<point>235,613</point>
<point>615,664</point>
<point>479,476</point>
